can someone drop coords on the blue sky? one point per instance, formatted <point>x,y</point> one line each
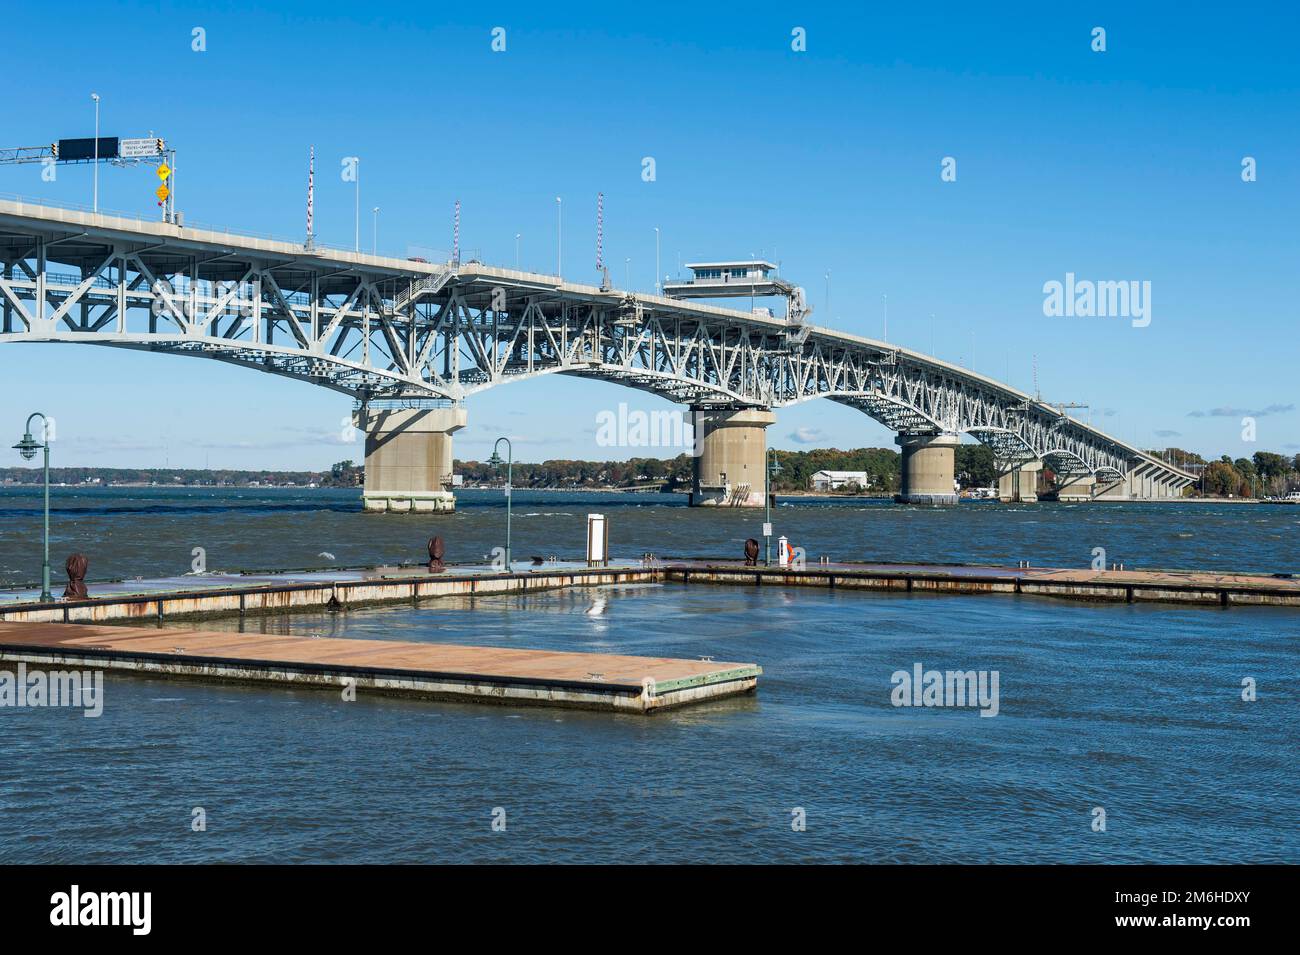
<point>1122,165</point>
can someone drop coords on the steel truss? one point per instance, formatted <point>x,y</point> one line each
<point>384,329</point>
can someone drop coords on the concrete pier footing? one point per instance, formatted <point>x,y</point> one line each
<point>731,458</point>
<point>1076,489</point>
<point>408,459</point>
<point>928,470</point>
<point>1020,486</point>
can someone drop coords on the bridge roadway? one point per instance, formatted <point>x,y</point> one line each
<point>412,340</point>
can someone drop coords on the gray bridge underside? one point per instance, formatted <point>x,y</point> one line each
<point>381,328</point>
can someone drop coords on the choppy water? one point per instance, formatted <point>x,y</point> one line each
<point>152,531</point>
<point>1134,709</point>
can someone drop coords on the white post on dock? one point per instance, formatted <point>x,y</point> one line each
<point>597,540</point>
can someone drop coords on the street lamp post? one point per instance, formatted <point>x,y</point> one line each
<point>28,447</point>
<point>518,236</point>
<point>374,245</point>
<point>773,467</point>
<point>95,97</point>
<point>357,203</point>
<point>495,461</point>
<point>658,285</point>
<point>559,236</point>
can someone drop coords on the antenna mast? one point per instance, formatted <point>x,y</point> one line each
<point>311,184</point>
<point>455,236</point>
<point>600,241</point>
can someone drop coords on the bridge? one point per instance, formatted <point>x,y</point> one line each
<point>410,341</point>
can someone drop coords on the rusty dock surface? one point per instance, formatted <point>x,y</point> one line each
<point>440,671</point>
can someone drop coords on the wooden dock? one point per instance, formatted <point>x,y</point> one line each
<point>440,671</point>
<point>190,598</point>
<point>1113,586</point>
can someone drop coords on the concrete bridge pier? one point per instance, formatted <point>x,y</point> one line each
<point>730,456</point>
<point>1075,489</point>
<point>928,470</point>
<point>1020,486</point>
<point>408,458</point>
<point>1144,482</point>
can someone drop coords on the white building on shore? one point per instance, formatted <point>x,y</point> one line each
<point>838,480</point>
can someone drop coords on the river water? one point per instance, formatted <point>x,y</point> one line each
<point>128,532</point>
<point>1133,710</point>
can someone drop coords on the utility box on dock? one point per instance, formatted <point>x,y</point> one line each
<point>597,540</point>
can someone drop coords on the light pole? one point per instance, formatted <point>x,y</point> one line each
<point>95,97</point>
<point>495,461</point>
<point>28,447</point>
<point>374,248</point>
<point>773,467</point>
<point>627,273</point>
<point>518,236</point>
<point>658,285</point>
<point>357,238</point>
<point>559,236</point>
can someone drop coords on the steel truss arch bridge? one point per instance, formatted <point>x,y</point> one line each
<point>380,328</point>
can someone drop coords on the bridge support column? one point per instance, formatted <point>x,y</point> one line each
<point>928,469</point>
<point>731,456</point>
<point>1112,489</point>
<point>1021,485</point>
<point>408,459</point>
<point>1077,489</point>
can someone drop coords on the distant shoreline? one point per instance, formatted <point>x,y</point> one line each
<point>817,495</point>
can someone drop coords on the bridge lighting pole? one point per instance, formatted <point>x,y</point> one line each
<point>559,237</point>
<point>495,461</point>
<point>28,447</point>
<point>518,235</point>
<point>658,286</point>
<point>773,467</point>
<point>95,207</point>
<point>374,247</point>
<point>358,208</point>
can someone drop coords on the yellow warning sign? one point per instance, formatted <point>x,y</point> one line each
<point>164,171</point>
<point>163,192</point>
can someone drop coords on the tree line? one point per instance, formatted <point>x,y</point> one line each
<point>1263,474</point>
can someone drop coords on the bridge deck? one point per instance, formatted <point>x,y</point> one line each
<point>440,671</point>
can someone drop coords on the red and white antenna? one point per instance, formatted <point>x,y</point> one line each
<point>311,183</point>
<point>600,231</point>
<point>455,236</point>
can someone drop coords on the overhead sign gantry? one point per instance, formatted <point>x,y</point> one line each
<point>152,150</point>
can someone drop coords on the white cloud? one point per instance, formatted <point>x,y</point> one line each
<point>806,435</point>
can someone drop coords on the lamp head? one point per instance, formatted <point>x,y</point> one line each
<point>27,447</point>
<point>495,460</point>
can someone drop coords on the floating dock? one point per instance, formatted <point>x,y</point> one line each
<point>221,595</point>
<point>440,671</point>
<point>1113,586</point>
